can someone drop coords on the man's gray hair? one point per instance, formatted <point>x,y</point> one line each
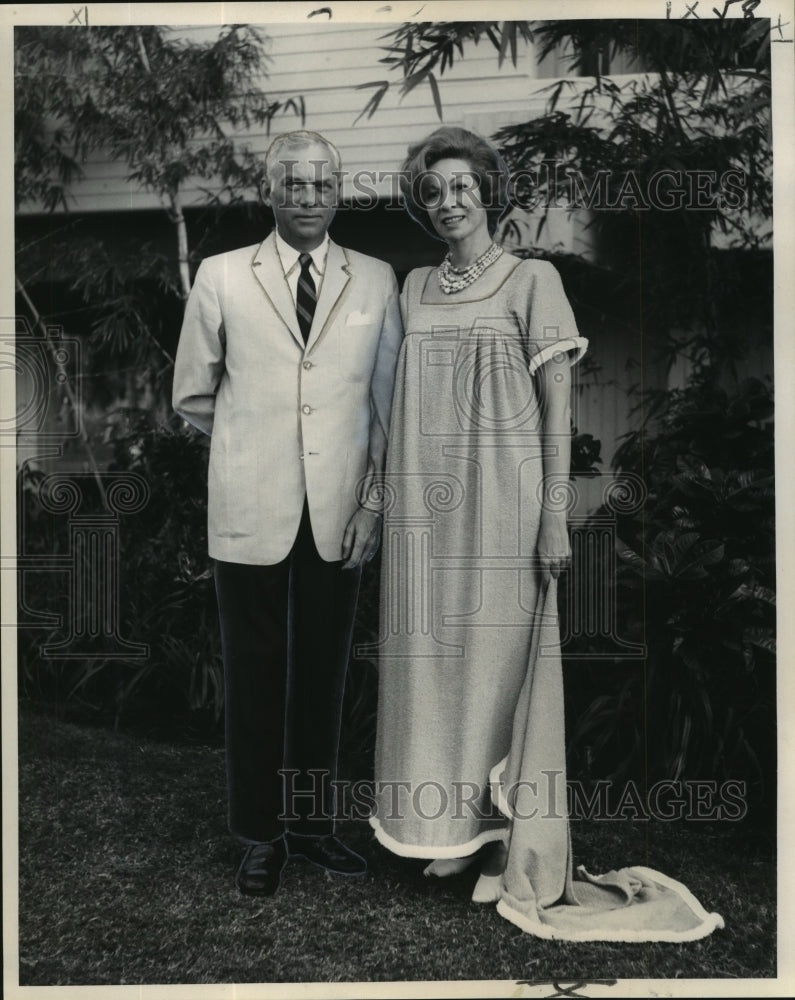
<point>293,141</point>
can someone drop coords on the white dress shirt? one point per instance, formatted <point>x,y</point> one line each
<point>288,256</point>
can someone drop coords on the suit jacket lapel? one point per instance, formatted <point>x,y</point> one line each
<point>268,270</point>
<point>335,277</point>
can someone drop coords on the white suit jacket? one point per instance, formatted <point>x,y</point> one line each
<point>287,421</point>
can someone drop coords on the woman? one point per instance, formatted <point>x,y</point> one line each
<point>470,757</point>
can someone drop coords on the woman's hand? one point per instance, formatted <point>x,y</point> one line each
<point>554,550</point>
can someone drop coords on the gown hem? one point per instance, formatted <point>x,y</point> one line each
<point>435,852</point>
<point>708,922</point>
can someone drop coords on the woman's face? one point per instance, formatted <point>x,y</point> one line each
<point>450,193</point>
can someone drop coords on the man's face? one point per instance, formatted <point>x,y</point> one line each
<point>302,191</point>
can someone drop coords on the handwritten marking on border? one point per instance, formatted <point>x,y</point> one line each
<point>563,990</point>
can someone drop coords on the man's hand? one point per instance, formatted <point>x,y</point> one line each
<point>361,539</point>
<point>554,550</point>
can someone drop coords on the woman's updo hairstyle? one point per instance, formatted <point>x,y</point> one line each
<point>450,142</point>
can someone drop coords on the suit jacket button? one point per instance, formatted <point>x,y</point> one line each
<point>306,409</point>
<point>307,365</point>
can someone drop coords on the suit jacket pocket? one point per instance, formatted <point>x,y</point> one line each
<point>231,494</point>
<point>357,343</point>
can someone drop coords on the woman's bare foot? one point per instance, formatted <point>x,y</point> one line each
<point>444,867</point>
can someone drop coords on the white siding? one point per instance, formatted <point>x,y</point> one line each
<point>325,63</point>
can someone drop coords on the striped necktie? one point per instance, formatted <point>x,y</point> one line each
<point>306,296</point>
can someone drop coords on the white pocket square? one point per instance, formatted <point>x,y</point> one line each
<point>357,318</point>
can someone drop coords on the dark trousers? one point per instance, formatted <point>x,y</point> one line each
<point>286,634</point>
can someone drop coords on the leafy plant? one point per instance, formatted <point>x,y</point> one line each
<point>422,49</point>
<point>166,107</point>
<point>696,584</point>
<point>586,454</point>
<point>167,593</point>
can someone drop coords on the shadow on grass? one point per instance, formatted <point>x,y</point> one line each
<point>126,878</point>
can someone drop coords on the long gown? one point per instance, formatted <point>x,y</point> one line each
<point>470,741</point>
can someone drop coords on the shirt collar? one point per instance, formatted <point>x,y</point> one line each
<point>289,255</point>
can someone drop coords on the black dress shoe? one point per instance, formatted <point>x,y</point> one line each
<point>260,870</point>
<point>326,852</point>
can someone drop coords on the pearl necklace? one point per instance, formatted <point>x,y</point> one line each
<point>453,279</point>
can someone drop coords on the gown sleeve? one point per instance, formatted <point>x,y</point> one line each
<point>550,320</point>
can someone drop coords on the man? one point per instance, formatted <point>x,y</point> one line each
<point>286,358</point>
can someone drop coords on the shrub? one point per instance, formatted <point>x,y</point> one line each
<point>166,591</point>
<point>695,583</point>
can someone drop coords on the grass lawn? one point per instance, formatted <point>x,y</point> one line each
<point>126,875</point>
